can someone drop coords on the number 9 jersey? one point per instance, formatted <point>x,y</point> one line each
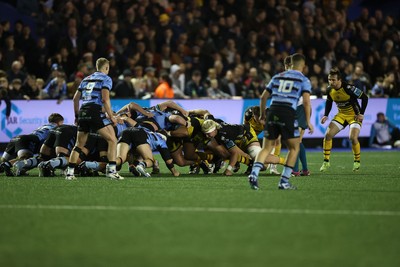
<point>91,87</point>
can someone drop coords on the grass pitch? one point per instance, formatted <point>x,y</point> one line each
<point>339,218</point>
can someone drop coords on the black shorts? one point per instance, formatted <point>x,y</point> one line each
<point>91,119</point>
<point>65,136</point>
<point>29,141</point>
<point>133,136</point>
<point>281,121</point>
<point>96,143</point>
<point>10,148</point>
<point>51,138</point>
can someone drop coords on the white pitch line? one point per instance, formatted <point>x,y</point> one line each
<point>209,210</point>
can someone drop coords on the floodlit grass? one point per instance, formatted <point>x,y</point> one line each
<point>339,218</point>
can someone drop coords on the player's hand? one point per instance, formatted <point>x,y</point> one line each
<point>324,119</point>
<point>113,120</point>
<point>310,128</point>
<point>149,115</point>
<point>359,117</point>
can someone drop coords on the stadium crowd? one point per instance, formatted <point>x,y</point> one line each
<point>192,49</point>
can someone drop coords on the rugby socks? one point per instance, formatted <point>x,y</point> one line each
<point>356,151</point>
<point>243,160</point>
<point>58,162</point>
<point>277,150</point>
<point>205,156</point>
<point>302,157</point>
<point>286,173</point>
<point>112,166</point>
<point>93,165</point>
<point>327,146</point>
<point>257,166</point>
<point>31,162</point>
<point>71,168</point>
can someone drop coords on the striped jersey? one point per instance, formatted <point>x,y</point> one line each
<point>287,87</point>
<point>91,87</point>
<point>43,131</point>
<point>155,140</point>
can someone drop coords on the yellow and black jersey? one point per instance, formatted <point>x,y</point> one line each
<point>346,99</point>
<point>195,135</point>
<point>235,134</point>
<point>249,119</point>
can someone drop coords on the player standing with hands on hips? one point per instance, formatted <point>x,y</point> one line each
<point>285,89</point>
<point>91,117</point>
<point>350,113</point>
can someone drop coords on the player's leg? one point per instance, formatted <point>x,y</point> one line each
<point>145,151</point>
<point>81,140</point>
<point>293,146</point>
<point>333,128</point>
<point>276,152</point>
<point>108,134</point>
<point>268,145</point>
<point>355,144</point>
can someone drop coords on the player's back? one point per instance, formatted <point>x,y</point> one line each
<point>287,87</point>
<point>43,131</point>
<point>91,87</point>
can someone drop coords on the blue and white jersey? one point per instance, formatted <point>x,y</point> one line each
<point>120,128</point>
<point>43,131</point>
<point>54,90</point>
<point>155,140</point>
<point>91,87</point>
<point>160,118</point>
<point>287,87</point>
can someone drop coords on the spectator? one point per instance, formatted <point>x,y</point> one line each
<point>231,85</point>
<point>30,88</point>
<point>4,94</point>
<point>164,89</point>
<point>124,88</point>
<point>73,85</point>
<point>255,88</point>
<point>56,88</point>
<point>359,78</point>
<point>215,32</point>
<point>16,72</point>
<point>194,87</point>
<point>10,53</point>
<point>315,87</point>
<point>383,133</point>
<point>214,92</point>
<point>177,77</point>
<point>14,91</point>
<point>150,80</point>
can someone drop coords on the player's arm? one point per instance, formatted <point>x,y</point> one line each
<point>263,102</point>
<point>105,94</point>
<point>75,99</point>
<point>328,107</point>
<point>199,112</point>
<point>364,103</point>
<point>135,106</point>
<point>307,110</point>
<point>173,105</point>
<point>358,93</point>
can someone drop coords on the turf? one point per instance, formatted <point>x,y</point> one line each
<point>339,218</point>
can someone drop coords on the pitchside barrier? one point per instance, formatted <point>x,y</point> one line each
<point>26,116</point>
